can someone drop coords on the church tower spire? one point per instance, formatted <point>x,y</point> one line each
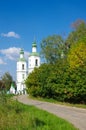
<point>21,54</point>
<point>34,47</point>
<point>34,58</point>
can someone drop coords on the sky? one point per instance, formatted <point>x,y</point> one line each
<point>22,21</point>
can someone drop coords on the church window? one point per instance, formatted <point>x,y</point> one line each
<point>22,66</point>
<point>36,62</point>
<point>22,76</point>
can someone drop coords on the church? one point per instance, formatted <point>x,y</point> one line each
<point>24,67</point>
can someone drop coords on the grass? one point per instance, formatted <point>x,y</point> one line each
<point>57,102</point>
<point>17,116</point>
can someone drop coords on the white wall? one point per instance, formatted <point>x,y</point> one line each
<point>21,75</point>
<point>32,63</point>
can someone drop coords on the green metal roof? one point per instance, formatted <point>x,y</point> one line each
<point>34,44</point>
<point>21,51</point>
<point>21,59</point>
<point>34,54</point>
<point>12,85</point>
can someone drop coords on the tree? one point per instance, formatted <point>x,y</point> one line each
<point>52,48</point>
<point>77,55</point>
<point>32,83</point>
<point>36,81</point>
<point>7,80</point>
<point>2,86</point>
<point>59,82</point>
<point>78,33</point>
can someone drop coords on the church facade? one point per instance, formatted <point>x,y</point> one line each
<point>24,67</point>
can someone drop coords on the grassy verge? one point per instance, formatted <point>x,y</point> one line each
<point>57,102</point>
<point>17,116</point>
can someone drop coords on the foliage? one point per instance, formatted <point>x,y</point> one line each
<point>62,79</point>
<point>2,86</point>
<point>77,55</point>
<point>16,116</point>
<point>52,48</point>
<point>78,33</point>
<point>36,81</point>
<point>58,82</point>
<point>7,80</point>
<point>77,85</point>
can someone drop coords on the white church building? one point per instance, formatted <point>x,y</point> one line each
<point>24,67</point>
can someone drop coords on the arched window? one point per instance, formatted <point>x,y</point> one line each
<point>36,62</point>
<point>22,66</point>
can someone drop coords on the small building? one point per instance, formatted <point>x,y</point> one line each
<point>12,89</point>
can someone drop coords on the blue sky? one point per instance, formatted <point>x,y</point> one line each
<point>22,20</point>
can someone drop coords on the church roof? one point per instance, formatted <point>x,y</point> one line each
<point>21,59</point>
<point>34,44</point>
<point>12,85</point>
<point>21,51</point>
<point>34,54</point>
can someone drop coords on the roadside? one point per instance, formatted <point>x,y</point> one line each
<point>57,102</point>
<point>76,116</point>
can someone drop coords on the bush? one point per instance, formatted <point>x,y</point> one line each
<point>59,82</point>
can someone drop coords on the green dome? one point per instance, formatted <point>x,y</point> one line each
<point>21,51</point>
<point>22,58</point>
<point>34,44</point>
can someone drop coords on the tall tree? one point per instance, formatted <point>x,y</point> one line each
<point>7,80</point>
<point>52,48</point>
<point>78,33</point>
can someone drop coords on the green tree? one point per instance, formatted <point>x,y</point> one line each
<point>2,86</point>
<point>7,80</point>
<point>32,83</point>
<point>78,33</point>
<point>36,81</point>
<point>56,80</point>
<point>52,48</point>
<point>77,55</point>
<point>75,83</point>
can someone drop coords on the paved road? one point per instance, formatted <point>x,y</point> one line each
<point>76,116</point>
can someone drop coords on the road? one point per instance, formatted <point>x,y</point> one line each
<point>76,116</point>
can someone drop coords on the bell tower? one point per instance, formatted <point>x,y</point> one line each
<point>34,58</point>
<point>21,73</point>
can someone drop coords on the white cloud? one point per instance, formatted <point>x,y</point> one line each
<point>26,54</point>
<point>12,53</point>
<point>1,61</point>
<point>10,34</point>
